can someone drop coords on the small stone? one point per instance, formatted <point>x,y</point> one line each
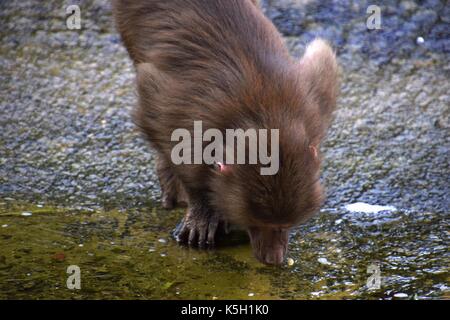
<point>290,262</point>
<point>324,261</point>
<point>361,207</point>
<point>60,256</point>
<point>401,295</point>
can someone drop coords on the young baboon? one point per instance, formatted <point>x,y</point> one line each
<point>224,63</point>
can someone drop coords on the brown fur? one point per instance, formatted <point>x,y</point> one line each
<point>224,63</point>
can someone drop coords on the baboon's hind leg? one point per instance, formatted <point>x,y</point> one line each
<point>173,193</point>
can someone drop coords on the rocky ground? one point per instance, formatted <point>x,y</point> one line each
<point>67,142</point>
<point>66,136</point>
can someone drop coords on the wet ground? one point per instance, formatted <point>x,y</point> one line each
<point>70,157</point>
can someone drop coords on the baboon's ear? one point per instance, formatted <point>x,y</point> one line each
<point>320,76</point>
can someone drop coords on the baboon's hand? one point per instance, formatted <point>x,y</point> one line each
<point>198,227</point>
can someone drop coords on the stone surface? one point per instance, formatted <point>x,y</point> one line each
<point>65,97</point>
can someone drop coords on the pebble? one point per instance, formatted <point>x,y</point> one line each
<point>324,261</point>
<point>401,295</point>
<point>361,207</point>
<point>290,262</point>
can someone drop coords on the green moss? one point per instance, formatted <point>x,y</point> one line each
<point>121,257</point>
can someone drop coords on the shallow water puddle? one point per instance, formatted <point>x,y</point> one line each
<point>130,254</point>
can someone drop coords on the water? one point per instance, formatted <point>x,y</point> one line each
<point>131,255</point>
